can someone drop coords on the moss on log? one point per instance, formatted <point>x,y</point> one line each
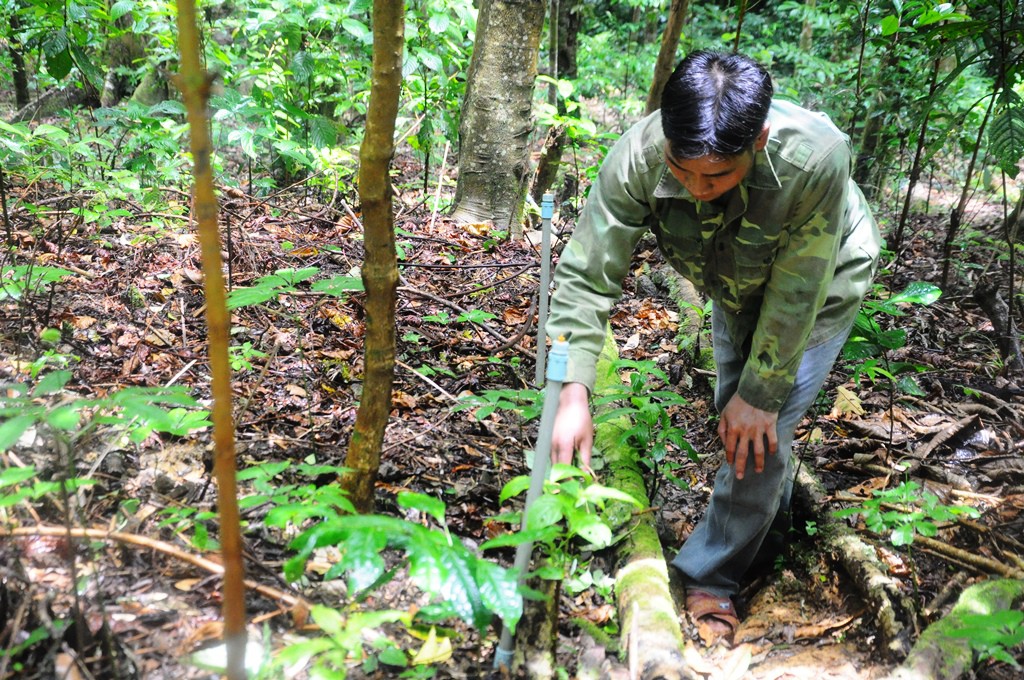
<point>939,654</point>
<point>650,628</point>
<point>893,611</point>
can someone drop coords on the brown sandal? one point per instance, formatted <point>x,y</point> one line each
<point>707,610</point>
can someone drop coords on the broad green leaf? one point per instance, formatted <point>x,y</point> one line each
<point>64,418</point>
<point>55,42</point>
<point>120,8</point>
<point>427,504</point>
<point>16,475</point>
<point>303,65</point>
<point>338,285</point>
<point>592,529</point>
<point>323,133</point>
<point>87,68</point>
<point>902,535</point>
<point>546,510</point>
<point>514,487</point>
<point>438,22</point>
<point>597,492</point>
<point>59,65</point>
<point>499,590</point>
<point>358,30</point>
<point>460,588</point>
<point>890,25</point>
<point>51,383</point>
<point>918,292</point>
<point>561,471</point>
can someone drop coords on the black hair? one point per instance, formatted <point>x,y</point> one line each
<point>715,104</point>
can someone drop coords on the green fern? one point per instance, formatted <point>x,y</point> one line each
<point>1006,138</point>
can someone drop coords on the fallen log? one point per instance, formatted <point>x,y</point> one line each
<point>940,653</point>
<point>893,610</point>
<point>649,621</point>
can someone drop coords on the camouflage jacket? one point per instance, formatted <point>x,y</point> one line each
<point>788,257</point>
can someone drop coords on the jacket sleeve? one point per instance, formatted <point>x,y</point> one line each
<point>798,285</point>
<point>594,263</point>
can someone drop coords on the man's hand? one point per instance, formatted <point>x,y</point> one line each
<point>744,429</point>
<point>574,426</point>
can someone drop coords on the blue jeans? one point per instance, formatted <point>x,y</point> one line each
<point>742,512</point>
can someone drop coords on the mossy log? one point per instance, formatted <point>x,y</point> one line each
<point>939,654</point>
<point>537,633</point>
<point>893,611</point>
<point>650,628</point>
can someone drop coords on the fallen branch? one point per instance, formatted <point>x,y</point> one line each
<point>298,604</point>
<point>979,562</point>
<point>942,654</point>
<point>893,612</point>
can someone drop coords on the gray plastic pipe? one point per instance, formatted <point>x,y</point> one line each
<point>547,209</point>
<point>541,461</point>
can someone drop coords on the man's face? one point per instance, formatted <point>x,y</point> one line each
<point>710,177</point>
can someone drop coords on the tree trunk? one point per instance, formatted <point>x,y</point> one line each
<point>957,214</point>
<point>915,167</point>
<point>194,83</point>
<point>986,294</point>
<point>569,20</point>
<point>667,54</point>
<point>562,45</point>
<point>807,30</point>
<point>650,631</point>
<point>494,163</point>
<point>20,75</point>
<point>537,636</point>
<point>380,264</point>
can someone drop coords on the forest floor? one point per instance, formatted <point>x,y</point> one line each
<point>132,314</point>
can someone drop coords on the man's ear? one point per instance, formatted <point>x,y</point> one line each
<point>762,139</point>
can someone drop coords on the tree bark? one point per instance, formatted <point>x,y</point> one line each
<point>986,294</point>
<point>20,74</point>
<point>380,264</point>
<point>537,637</point>
<point>807,30</point>
<point>494,163</point>
<point>893,612</point>
<point>194,83</point>
<point>667,54</point>
<point>650,629</point>
<point>939,654</point>
<point>569,20</point>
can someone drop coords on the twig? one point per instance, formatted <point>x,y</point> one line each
<point>977,561</point>
<point>290,599</point>
<point>406,288</point>
<point>448,395</point>
<point>940,600</point>
<point>440,182</point>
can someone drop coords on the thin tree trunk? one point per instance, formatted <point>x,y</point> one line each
<point>739,25</point>
<point>494,163</point>
<point>562,46</point>
<point>915,167</point>
<point>666,62</point>
<point>194,83</point>
<point>20,74</point>
<point>380,264</point>
<point>807,30</point>
<point>957,214</point>
<point>569,20</point>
